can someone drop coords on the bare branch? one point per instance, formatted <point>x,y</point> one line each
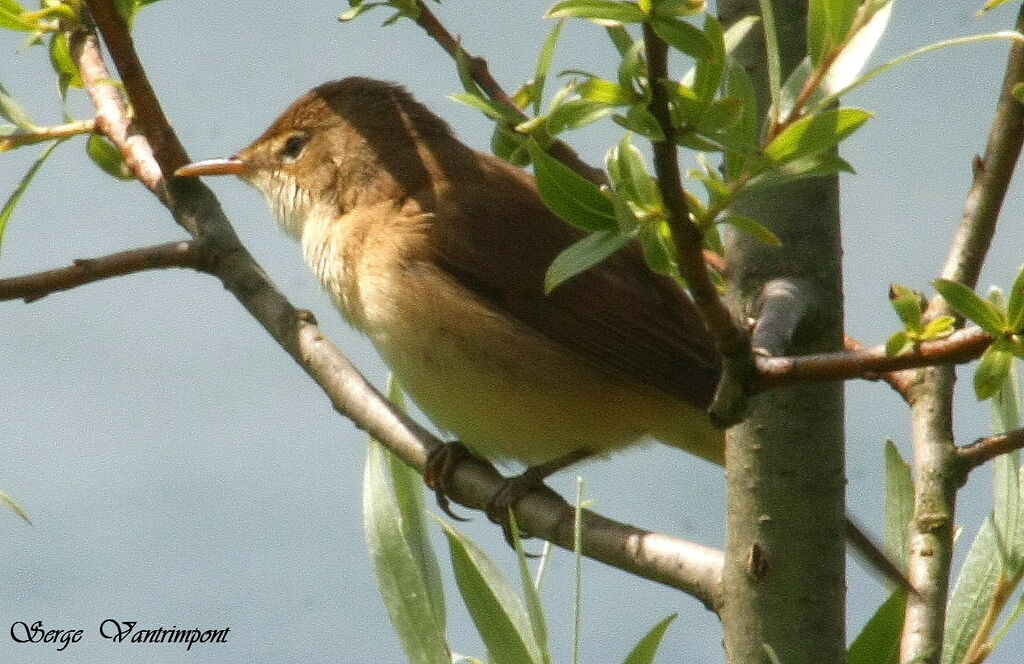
<point>40,134</point>
<point>986,449</point>
<point>31,287</point>
<point>481,75</point>
<point>689,567</point>
<point>961,346</point>
<point>898,380</point>
<point>732,340</point>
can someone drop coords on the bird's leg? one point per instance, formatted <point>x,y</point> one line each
<point>499,510</point>
<point>438,472</point>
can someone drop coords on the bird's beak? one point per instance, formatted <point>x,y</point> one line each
<point>229,166</point>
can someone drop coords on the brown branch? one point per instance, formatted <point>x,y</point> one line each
<point>31,287</point>
<point>962,346</point>
<point>689,567</point>
<point>899,381</point>
<point>732,340</point>
<point>40,134</point>
<point>481,75</point>
<point>986,449</point>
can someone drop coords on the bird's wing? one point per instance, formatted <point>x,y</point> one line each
<point>498,241</point>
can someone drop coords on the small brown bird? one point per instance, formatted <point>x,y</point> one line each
<point>438,254</point>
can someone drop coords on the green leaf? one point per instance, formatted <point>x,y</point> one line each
<point>678,7</point>
<point>357,9</point>
<point>909,306</point>
<point>599,10</point>
<point>992,371</point>
<point>574,114</point>
<point>582,256</point>
<point>629,176</point>
<point>107,157</point>
<point>12,201</point>
<point>12,109</point>
<point>808,167</point>
<point>851,60</point>
<point>640,120</point>
<point>879,641</point>
<point>62,62</point>
<point>754,229</point>
<point>943,326</point>
<point>509,145</point>
<point>10,17</point>
<point>645,649</point>
<point>833,98</point>
<point>1015,309</point>
<point>403,562</point>
<point>491,109</point>
<point>771,39</point>
<point>899,503</point>
<point>540,74</point>
<point>655,240</point>
<point>972,593</point>
<point>12,505</point>
<point>1007,506</point>
<point>569,195</point>
<point>604,91</point>
<point>898,344</point>
<point>828,22</point>
<point>982,313</point>
<point>683,37</point>
<point>535,610</point>
<point>496,610</point>
<point>620,38</point>
<point>812,135</point>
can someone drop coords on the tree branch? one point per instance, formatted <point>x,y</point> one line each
<point>31,287</point>
<point>986,449</point>
<point>689,567</point>
<point>40,134</point>
<point>936,459</point>
<point>481,75</point>
<point>961,346</point>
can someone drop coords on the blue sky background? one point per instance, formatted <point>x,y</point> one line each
<point>180,469</point>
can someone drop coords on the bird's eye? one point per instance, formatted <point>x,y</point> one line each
<point>293,146</point>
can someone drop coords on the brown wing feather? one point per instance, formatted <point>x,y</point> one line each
<point>618,314</point>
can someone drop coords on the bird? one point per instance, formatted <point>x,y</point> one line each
<point>438,253</point>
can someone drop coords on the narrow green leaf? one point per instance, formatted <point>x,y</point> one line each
<point>1007,507</point>
<point>851,60</point>
<point>683,37</point>
<point>600,10</point>
<point>771,42</point>
<point>107,157</point>
<point>879,641</point>
<point>645,649</point>
<point>972,594</point>
<point>509,145</point>
<point>496,610</point>
<point>358,9</point>
<point>819,165</point>
<point>943,326</point>
<point>534,608</point>
<point>833,98</point>
<point>899,503</point>
<point>812,135</point>
<point>582,256</point>
<point>743,134</point>
<point>572,197</point>
<point>1018,610</point>
<point>62,63</point>
<point>1015,309</point>
<point>629,176</point>
<point>10,17</point>
<point>540,74</point>
<point>655,240</point>
<point>12,109</point>
<point>574,114</point>
<point>992,371</point>
<point>640,120</point>
<point>12,201</point>
<point>754,229</point>
<point>679,7</point>
<point>12,505</point>
<point>491,109</point>
<point>397,560</point>
<point>828,22</point>
<point>620,38</point>
<point>604,91</point>
<point>970,306</point>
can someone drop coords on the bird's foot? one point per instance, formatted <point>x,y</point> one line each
<point>438,473</point>
<point>500,509</point>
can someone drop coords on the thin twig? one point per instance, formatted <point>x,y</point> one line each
<point>689,567</point>
<point>986,449</point>
<point>40,134</point>
<point>31,287</point>
<point>481,75</point>
<point>899,381</point>
<point>732,340</point>
<point>961,346</point>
